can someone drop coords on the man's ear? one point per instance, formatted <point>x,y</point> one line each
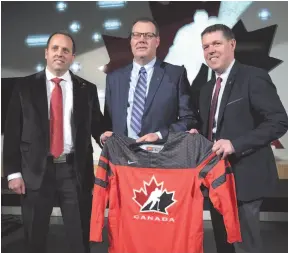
<point>233,43</point>
<point>157,42</point>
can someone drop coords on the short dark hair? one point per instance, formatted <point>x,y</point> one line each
<point>227,32</point>
<point>146,20</point>
<point>65,34</point>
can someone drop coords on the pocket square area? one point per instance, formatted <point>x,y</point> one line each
<point>234,101</point>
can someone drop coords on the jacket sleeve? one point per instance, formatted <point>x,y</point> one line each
<point>218,178</point>
<point>100,197</point>
<point>12,135</point>
<point>97,117</point>
<point>269,114</point>
<point>187,115</point>
<point>107,106</point>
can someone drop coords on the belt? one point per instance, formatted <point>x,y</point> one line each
<point>64,158</point>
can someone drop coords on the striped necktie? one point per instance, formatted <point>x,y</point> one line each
<point>139,101</point>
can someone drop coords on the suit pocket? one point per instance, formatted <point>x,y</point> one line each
<point>235,101</point>
<point>236,109</point>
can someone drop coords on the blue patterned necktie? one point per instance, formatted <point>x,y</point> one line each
<point>139,101</point>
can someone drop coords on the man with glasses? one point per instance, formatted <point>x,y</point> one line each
<point>148,98</point>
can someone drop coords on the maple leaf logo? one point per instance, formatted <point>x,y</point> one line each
<point>253,47</point>
<point>152,197</point>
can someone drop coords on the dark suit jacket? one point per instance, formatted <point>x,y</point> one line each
<point>251,116</point>
<point>167,107</point>
<point>26,137</point>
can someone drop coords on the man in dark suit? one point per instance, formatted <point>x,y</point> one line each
<point>149,97</point>
<point>47,146</point>
<point>241,113</point>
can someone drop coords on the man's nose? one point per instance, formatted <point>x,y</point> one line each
<point>60,53</point>
<point>142,39</point>
<point>211,50</point>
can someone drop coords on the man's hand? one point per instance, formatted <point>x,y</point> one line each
<point>148,137</point>
<point>193,131</point>
<point>223,147</point>
<point>17,185</point>
<point>104,137</point>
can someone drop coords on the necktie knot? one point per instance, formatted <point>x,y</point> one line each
<point>142,70</point>
<point>219,80</point>
<point>56,80</point>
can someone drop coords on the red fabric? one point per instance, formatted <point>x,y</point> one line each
<point>213,107</point>
<point>56,119</point>
<point>180,230</point>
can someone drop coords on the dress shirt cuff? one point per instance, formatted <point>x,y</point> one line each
<point>14,175</point>
<point>101,140</point>
<point>159,135</point>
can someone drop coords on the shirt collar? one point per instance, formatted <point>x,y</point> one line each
<point>148,66</point>
<point>226,73</point>
<point>49,75</point>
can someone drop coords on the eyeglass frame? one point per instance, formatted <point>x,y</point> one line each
<point>145,35</point>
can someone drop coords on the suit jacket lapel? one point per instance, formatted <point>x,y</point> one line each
<point>206,102</point>
<point>39,96</point>
<point>154,83</point>
<point>124,93</point>
<point>226,93</point>
<point>80,99</point>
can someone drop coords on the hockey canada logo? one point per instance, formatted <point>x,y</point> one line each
<point>152,197</point>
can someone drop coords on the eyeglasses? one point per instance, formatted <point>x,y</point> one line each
<point>148,36</point>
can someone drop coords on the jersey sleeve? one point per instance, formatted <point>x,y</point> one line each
<point>218,177</point>
<point>100,197</point>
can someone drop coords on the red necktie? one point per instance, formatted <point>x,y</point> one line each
<point>213,107</point>
<point>56,119</point>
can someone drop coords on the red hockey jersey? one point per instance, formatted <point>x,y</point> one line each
<point>155,197</point>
